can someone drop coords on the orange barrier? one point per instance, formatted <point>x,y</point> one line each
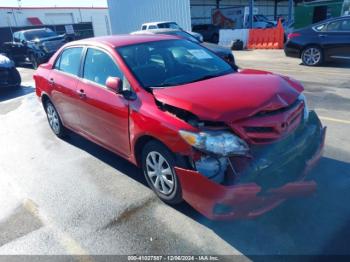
<point>271,38</point>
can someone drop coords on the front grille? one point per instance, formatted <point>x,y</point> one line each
<point>269,126</point>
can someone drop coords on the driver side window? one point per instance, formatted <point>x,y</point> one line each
<point>99,66</point>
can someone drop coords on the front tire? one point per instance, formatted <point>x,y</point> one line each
<point>158,167</point>
<point>54,120</point>
<point>312,56</point>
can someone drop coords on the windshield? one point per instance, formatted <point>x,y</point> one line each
<point>169,25</point>
<point>39,34</point>
<point>172,62</point>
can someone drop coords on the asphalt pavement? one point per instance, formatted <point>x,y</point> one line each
<point>73,197</point>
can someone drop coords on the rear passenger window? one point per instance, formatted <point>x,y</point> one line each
<point>99,66</point>
<point>334,26</point>
<point>69,61</point>
<point>346,25</point>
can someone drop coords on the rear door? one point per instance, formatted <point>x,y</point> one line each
<point>336,39</point>
<point>64,79</point>
<point>104,115</point>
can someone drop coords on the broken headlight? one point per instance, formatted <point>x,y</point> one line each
<point>220,143</point>
<point>306,108</point>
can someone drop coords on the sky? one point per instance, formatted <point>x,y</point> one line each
<point>58,3</point>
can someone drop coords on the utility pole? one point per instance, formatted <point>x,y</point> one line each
<point>290,11</point>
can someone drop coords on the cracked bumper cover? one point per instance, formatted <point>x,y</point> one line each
<point>251,199</point>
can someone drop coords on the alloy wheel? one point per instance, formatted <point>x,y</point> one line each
<point>52,116</point>
<point>312,56</point>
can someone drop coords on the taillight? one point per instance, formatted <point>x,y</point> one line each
<point>293,35</point>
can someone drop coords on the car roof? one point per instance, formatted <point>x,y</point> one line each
<point>159,22</point>
<point>331,19</point>
<point>121,40</point>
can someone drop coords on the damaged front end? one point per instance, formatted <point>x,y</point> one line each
<point>240,182</point>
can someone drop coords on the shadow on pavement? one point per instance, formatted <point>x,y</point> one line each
<point>14,92</point>
<point>315,225</point>
<point>107,157</point>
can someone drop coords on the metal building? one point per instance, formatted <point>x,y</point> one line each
<point>36,16</point>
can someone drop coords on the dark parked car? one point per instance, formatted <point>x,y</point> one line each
<point>35,46</point>
<point>321,42</point>
<point>209,32</point>
<point>9,75</point>
<point>221,51</point>
<point>233,144</point>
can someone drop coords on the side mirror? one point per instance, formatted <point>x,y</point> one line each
<point>115,84</point>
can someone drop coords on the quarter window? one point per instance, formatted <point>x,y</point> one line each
<point>99,66</point>
<point>69,61</point>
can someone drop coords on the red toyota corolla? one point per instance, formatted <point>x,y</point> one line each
<point>232,144</point>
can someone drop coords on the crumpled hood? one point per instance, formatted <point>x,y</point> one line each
<point>6,62</point>
<point>231,97</point>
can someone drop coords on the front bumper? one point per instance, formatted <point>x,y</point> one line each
<point>248,199</point>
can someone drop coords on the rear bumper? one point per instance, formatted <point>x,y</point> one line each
<point>292,49</point>
<point>9,78</point>
<point>292,52</point>
<point>248,200</point>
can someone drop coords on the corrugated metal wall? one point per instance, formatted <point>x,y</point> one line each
<point>127,15</point>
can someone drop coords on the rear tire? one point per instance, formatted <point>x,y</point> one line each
<point>54,120</point>
<point>158,164</point>
<point>17,77</point>
<point>312,56</point>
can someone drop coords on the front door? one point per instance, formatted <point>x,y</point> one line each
<point>104,115</point>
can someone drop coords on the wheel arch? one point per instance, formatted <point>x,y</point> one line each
<point>44,99</point>
<point>311,45</point>
<point>140,144</point>
<point>181,160</point>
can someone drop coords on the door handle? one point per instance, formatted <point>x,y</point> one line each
<point>81,93</point>
<point>322,35</point>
